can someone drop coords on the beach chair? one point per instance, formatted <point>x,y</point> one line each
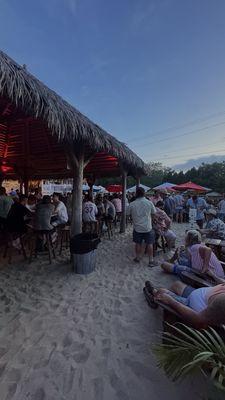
<point>171,317</point>
<point>195,279</point>
<point>215,245</point>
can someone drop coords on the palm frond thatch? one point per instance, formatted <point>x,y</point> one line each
<point>64,121</point>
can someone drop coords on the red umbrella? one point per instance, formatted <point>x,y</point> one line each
<point>190,186</point>
<point>114,188</point>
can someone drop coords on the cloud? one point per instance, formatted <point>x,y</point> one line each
<point>196,162</point>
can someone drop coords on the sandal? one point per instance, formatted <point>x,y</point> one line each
<point>152,264</point>
<point>136,260</point>
<point>150,299</point>
<point>150,288</point>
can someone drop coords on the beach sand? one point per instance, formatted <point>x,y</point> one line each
<point>72,337</point>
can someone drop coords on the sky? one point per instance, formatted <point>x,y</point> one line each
<point>151,72</point>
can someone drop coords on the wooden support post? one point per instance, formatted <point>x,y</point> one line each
<point>21,186</point>
<point>91,182</point>
<point>123,217</point>
<point>138,181</point>
<point>77,163</point>
<point>1,179</point>
<point>90,191</point>
<point>26,186</point>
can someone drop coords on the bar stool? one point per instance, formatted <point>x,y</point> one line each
<point>91,227</point>
<point>161,245</point>
<point>64,237</point>
<point>46,235</point>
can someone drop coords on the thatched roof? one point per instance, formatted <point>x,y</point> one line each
<point>64,121</point>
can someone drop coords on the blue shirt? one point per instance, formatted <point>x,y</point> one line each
<point>200,205</point>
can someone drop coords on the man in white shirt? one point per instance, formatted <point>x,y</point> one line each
<point>60,211</point>
<point>90,210</point>
<point>141,211</point>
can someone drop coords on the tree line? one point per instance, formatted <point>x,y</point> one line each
<point>207,175</point>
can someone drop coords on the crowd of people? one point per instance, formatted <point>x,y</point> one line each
<point>19,212</point>
<point>200,307</point>
<point>152,217</point>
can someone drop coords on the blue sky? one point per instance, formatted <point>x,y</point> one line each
<point>151,72</point>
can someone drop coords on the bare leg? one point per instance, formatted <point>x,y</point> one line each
<point>138,251</point>
<point>178,288</point>
<point>167,267</point>
<point>149,249</point>
<point>181,217</point>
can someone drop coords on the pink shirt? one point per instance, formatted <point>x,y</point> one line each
<point>117,204</point>
<point>197,261</point>
<point>161,221</point>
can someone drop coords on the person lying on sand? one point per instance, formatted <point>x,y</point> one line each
<point>200,256</point>
<point>198,307</point>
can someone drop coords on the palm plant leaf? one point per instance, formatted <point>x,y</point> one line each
<point>186,350</point>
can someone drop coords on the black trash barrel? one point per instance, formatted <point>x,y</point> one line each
<point>83,250</point>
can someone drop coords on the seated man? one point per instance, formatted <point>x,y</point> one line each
<point>15,222</point>
<point>215,227</point>
<point>6,203</point>
<point>109,208</point>
<point>44,211</point>
<point>161,225</point>
<point>201,257</point>
<point>90,210</point>
<point>61,217</point>
<point>198,307</point>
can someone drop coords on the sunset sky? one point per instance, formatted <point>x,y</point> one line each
<point>151,72</point>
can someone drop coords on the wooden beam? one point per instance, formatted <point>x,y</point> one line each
<point>138,181</point>
<point>77,164</point>
<point>123,217</point>
<point>2,177</point>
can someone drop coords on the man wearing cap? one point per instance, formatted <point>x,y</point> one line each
<point>215,227</point>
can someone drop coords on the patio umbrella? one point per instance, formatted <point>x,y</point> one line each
<point>190,186</point>
<point>165,185</point>
<point>134,188</point>
<point>114,188</point>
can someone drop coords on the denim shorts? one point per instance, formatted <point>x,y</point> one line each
<point>146,237</point>
<point>178,269</point>
<point>184,299</point>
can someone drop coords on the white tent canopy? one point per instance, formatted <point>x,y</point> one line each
<point>165,185</point>
<point>99,189</point>
<point>133,188</point>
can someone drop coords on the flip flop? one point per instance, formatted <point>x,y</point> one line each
<point>150,288</point>
<point>149,299</point>
<point>152,264</point>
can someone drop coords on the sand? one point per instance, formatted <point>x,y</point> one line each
<point>72,337</point>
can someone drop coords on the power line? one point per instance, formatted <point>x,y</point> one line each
<point>192,147</point>
<point>181,135</point>
<point>190,155</point>
<point>176,127</point>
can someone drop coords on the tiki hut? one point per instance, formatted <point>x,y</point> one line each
<point>43,136</point>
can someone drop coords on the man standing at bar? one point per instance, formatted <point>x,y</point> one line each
<point>141,211</point>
